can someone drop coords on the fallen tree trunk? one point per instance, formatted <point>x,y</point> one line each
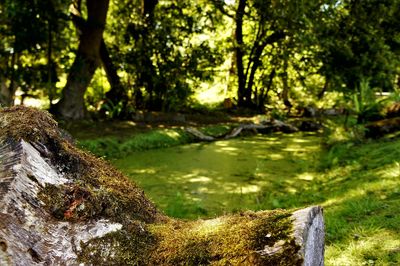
<point>61,206</point>
<point>265,128</point>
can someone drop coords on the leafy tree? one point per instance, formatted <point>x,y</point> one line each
<point>28,47</point>
<point>359,40</point>
<point>161,50</point>
<point>267,35</point>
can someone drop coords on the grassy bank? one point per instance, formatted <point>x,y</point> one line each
<point>357,182</point>
<point>117,146</point>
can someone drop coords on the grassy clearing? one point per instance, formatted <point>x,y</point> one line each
<point>358,185</point>
<point>357,182</point>
<point>362,201</point>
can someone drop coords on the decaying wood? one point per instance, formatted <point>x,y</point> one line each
<point>265,128</point>
<point>84,227</point>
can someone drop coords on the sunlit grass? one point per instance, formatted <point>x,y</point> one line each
<point>357,184</point>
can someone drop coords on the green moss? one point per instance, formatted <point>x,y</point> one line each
<point>239,239</point>
<point>30,124</point>
<point>229,240</point>
<point>96,189</point>
<point>130,246</point>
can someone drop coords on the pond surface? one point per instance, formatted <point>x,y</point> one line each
<point>209,179</point>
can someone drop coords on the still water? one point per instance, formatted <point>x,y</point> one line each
<point>209,179</point>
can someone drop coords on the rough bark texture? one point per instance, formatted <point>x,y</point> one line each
<point>60,206</point>
<point>117,92</point>
<point>71,104</point>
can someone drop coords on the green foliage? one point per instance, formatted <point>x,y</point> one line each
<point>163,47</point>
<point>292,52</point>
<point>366,106</point>
<point>29,53</point>
<point>356,40</point>
<point>114,147</point>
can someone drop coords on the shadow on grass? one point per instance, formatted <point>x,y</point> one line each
<point>358,185</point>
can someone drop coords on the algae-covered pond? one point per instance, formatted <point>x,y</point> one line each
<point>208,179</point>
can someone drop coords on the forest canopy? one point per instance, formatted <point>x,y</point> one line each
<point>116,57</point>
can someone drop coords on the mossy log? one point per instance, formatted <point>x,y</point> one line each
<point>62,206</point>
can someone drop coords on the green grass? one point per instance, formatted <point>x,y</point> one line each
<point>117,147</point>
<point>357,183</point>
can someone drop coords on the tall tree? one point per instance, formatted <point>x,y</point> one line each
<point>359,40</point>
<point>239,53</point>
<point>27,48</point>
<point>163,53</point>
<point>71,104</point>
<point>117,93</point>
<point>261,27</point>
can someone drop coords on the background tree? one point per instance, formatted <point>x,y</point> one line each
<point>71,104</point>
<point>162,52</point>
<point>30,54</point>
<point>359,40</point>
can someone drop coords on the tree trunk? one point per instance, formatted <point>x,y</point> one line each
<point>148,73</point>
<point>239,53</point>
<point>117,92</point>
<point>256,61</point>
<point>324,89</point>
<point>285,89</point>
<point>49,62</point>
<point>7,92</point>
<point>264,92</point>
<point>72,104</point>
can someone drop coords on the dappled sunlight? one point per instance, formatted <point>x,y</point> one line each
<point>367,247</point>
<point>392,171</point>
<point>247,189</point>
<point>229,149</point>
<point>305,176</point>
<point>275,156</point>
<point>224,175</point>
<point>281,171</point>
<point>144,171</point>
<point>209,226</point>
<point>202,179</point>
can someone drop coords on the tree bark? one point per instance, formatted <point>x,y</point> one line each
<point>148,73</point>
<point>7,93</point>
<point>259,47</point>
<point>285,89</point>
<point>72,104</point>
<point>117,92</point>
<point>239,53</point>
<point>264,92</point>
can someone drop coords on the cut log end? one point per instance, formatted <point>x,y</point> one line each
<point>309,232</point>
